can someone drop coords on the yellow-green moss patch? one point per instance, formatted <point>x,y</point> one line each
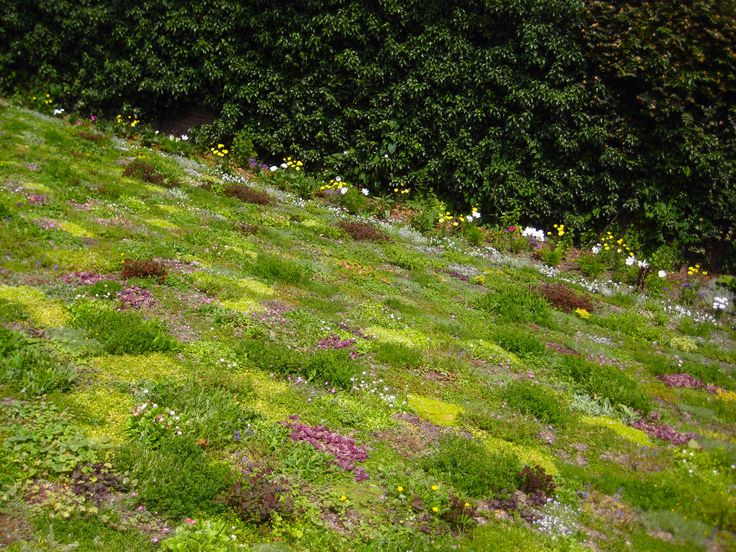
<point>133,368</point>
<point>629,433</point>
<point>42,311</point>
<point>436,411</point>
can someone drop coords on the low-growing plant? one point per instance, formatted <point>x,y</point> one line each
<point>259,497</point>
<point>591,265</point>
<point>602,380</point>
<point>565,299</point>
<point>247,194</point>
<point>361,231</point>
<point>143,170</point>
<point>148,268</point>
<point>176,478</point>
<point>537,400</point>
<point>120,332</point>
<point>471,468</point>
<point>397,355</point>
<point>518,340</point>
<point>199,535</point>
<point>515,303</point>
<point>536,483</point>
<point>272,268</point>
<point>551,256</point>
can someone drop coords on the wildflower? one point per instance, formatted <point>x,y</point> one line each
<point>642,264</point>
<point>720,303</point>
<point>364,191</point>
<point>466,505</point>
<point>662,274</point>
<point>58,111</point>
<point>582,313</point>
<point>190,521</point>
<point>435,509</point>
<point>343,498</point>
<point>344,190</point>
<point>435,487</point>
<point>400,489</point>
<point>596,248</point>
<point>630,260</point>
<point>184,137</point>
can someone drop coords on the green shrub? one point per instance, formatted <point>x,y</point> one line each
<point>471,468</point>
<point>242,149</point>
<point>535,399</point>
<point>120,332</point>
<point>34,371</point>
<point>515,303</point>
<point>605,381</point>
<point>203,535</point>
<point>591,265</point>
<point>176,478</point>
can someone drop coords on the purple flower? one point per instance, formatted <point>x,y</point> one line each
<point>135,297</point>
<point>236,436</point>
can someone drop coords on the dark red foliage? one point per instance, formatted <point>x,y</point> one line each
<point>248,195</point>
<point>259,497</point>
<point>459,513</point>
<point>537,484</point>
<point>133,268</point>
<point>362,231</point>
<point>248,229</point>
<point>143,170</point>
<point>565,299</point>
<point>343,449</point>
<point>95,481</point>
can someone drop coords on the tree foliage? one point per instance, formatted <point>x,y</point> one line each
<point>594,111</point>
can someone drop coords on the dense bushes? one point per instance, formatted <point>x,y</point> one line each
<point>601,111</point>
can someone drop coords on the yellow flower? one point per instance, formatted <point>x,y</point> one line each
<point>705,273</point>
<point>582,313</point>
<point>454,223</point>
<point>467,505</point>
<point>435,487</point>
<point>343,498</point>
<point>400,489</point>
<point>435,509</point>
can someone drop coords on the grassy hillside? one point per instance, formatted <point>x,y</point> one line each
<point>193,356</point>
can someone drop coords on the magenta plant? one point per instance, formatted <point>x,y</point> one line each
<point>342,448</point>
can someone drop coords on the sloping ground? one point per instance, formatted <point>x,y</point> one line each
<point>185,356</point>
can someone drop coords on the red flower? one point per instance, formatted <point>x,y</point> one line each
<point>190,521</point>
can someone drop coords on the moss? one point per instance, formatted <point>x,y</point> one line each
<point>135,368</point>
<point>163,224</point>
<point>42,311</point>
<point>436,411</point>
<point>75,230</point>
<point>527,455</point>
<point>629,433</point>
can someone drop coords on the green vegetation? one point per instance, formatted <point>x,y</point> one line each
<point>182,369</point>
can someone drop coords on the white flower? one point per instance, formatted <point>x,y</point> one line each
<point>533,233</point>
<point>720,303</point>
<point>364,191</point>
<point>596,248</point>
<point>338,179</point>
<point>642,264</point>
<point>469,218</point>
<point>385,155</point>
<point>630,260</point>
<point>662,274</point>
<point>476,214</point>
<point>58,111</point>
<point>172,413</point>
<point>274,168</point>
<point>184,137</point>
<point>344,190</point>
<point>284,165</point>
<point>172,137</point>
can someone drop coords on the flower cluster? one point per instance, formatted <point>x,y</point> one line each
<point>150,421</point>
<point>47,99</point>
<point>132,121</point>
<point>449,220</point>
<point>337,185</point>
<point>135,297</point>
<point>343,449</point>
<point>696,270</point>
<point>376,387</point>
<point>219,151</point>
<point>290,163</point>
<point>401,187</point>
<point>720,303</point>
<point>335,342</point>
<point>560,230</point>
<point>533,234</point>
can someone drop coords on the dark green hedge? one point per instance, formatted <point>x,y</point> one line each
<point>595,112</point>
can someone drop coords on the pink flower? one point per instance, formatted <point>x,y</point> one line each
<point>190,521</point>
<point>512,228</point>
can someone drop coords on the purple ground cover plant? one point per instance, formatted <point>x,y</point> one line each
<point>342,448</point>
<point>654,428</point>
<point>688,381</point>
<point>136,297</point>
<point>336,342</point>
<point>84,278</point>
